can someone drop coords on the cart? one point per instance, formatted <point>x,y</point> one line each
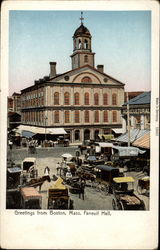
<point>13,177</point>
<point>29,167</point>
<point>124,197</point>
<point>143,185</point>
<point>105,175</point>
<point>30,198</point>
<point>58,197</point>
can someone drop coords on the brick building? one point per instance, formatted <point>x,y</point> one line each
<point>85,101</point>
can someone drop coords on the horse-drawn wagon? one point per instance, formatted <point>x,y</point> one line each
<point>124,196</point>
<point>143,185</point>
<point>58,196</point>
<point>105,175</point>
<point>30,198</point>
<point>29,167</point>
<point>128,156</point>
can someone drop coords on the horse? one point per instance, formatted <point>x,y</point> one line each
<point>86,176</point>
<point>39,181</point>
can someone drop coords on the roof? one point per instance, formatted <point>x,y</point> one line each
<point>30,192</point>
<point>143,142</point>
<point>144,98</point>
<point>134,135</point>
<point>128,151</point>
<point>14,170</point>
<point>51,80</point>
<point>118,130</point>
<point>89,66</point>
<point>123,179</point>
<point>132,94</point>
<point>29,159</point>
<point>82,31</point>
<point>105,144</point>
<point>106,167</point>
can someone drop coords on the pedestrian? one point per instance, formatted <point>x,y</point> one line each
<point>58,168</point>
<point>82,187</point>
<point>68,175</point>
<point>46,171</point>
<point>10,144</point>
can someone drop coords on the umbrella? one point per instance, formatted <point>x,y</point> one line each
<point>91,158</point>
<point>67,155</point>
<point>27,134</point>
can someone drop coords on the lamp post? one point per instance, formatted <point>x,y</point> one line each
<point>128,121</point>
<point>45,118</point>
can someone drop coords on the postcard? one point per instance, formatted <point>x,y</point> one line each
<point>79,124</point>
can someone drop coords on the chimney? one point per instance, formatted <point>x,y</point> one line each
<point>100,68</point>
<point>52,69</point>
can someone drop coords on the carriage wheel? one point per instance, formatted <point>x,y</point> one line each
<point>114,205</point>
<point>139,189</point>
<point>106,189</point>
<point>142,207</point>
<point>121,206</point>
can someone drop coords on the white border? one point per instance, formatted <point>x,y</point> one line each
<point>122,230</point>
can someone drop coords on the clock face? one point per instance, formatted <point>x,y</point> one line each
<point>66,78</point>
<point>105,79</point>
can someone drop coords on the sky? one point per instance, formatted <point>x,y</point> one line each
<point>120,39</point>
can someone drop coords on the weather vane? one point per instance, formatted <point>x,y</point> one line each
<point>81,18</point>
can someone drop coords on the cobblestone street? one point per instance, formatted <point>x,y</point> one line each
<point>93,199</point>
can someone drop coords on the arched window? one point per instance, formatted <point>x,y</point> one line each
<point>56,116</point>
<point>86,98</point>
<point>96,99</point>
<point>66,117</point>
<point>114,116</point>
<point>86,134</point>
<point>66,98</point>
<point>96,116</point>
<point>105,99</point>
<point>76,116</point>
<point>85,58</point>
<point>75,44</point>
<point>77,135</point>
<point>114,99</point>
<point>79,44</point>
<point>56,98</point>
<point>76,98</point>
<point>86,116</point>
<point>105,116</point>
<point>86,44</point>
<point>86,79</point>
<point>96,133</point>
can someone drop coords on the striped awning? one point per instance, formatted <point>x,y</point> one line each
<point>143,142</point>
<point>135,134</point>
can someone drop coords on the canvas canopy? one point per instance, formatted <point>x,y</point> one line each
<point>123,179</point>
<point>128,151</point>
<point>106,168</point>
<point>106,137</point>
<point>40,130</point>
<point>59,184</point>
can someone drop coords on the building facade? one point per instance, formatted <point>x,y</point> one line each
<point>139,112</point>
<point>85,101</point>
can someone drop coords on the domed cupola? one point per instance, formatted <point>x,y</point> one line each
<point>82,31</point>
<point>82,51</point>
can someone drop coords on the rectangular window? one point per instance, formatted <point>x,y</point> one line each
<point>66,116</point>
<point>77,116</point>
